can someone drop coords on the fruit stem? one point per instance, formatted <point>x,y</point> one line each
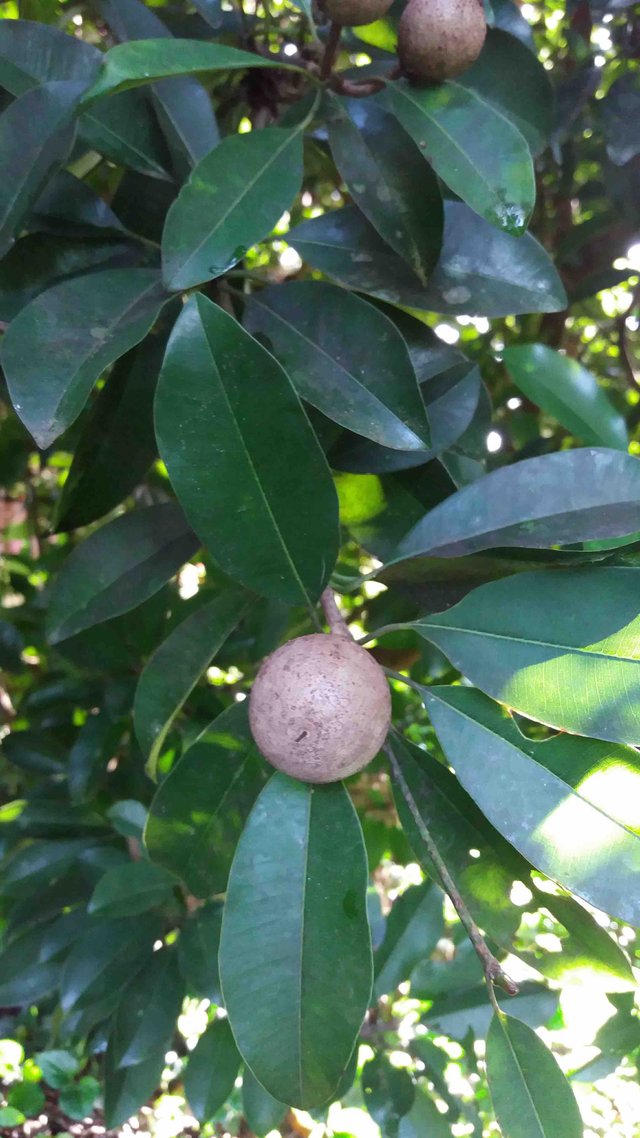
<point>331,50</point>
<point>493,971</point>
<point>335,620</point>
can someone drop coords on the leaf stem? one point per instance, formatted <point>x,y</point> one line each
<point>492,968</point>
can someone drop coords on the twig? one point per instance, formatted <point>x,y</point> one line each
<point>331,50</point>
<point>492,968</point>
<point>335,620</point>
<point>357,90</point>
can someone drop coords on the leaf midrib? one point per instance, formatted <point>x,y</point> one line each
<point>590,653</point>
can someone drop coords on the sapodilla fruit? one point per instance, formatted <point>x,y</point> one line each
<point>353,13</point>
<point>438,39</point>
<point>320,707</point>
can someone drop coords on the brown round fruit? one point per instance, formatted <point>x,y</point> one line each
<point>438,39</point>
<point>320,708</point>
<point>354,13</point>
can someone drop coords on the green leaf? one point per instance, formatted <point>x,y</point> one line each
<point>510,77</point>
<point>148,1009</point>
<point>388,1093</point>
<point>200,808</point>
<point>413,929</point>
<point>262,1111</point>
<point>560,647</point>
<point>481,268</point>
<point>568,805</point>
<point>10,1117</point>
<point>296,925</point>
<point>388,179</point>
<point>131,889</point>
<point>36,135</point>
<point>145,61</point>
<point>88,758</point>
<point>565,389</point>
<point>472,146</point>
<point>345,357</point>
<point>243,458</point>
<point>26,1097</point>
<point>198,952</point>
<point>123,129</point>
<point>106,955</point>
<point>531,1096</point>
<point>233,199</point>
<point>126,1089</point>
<point>117,444</point>
<point>77,1099</point>
<point>589,954</point>
<point>58,1067</point>
<point>573,496</point>
<point>424,1118</point>
<point>468,1010</point>
<point>172,672</point>
<point>211,1071</point>
<point>58,345</point>
<point>68,203</point>
<point>118,567</point>
<point>457,827</point>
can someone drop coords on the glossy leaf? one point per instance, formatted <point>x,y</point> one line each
<point>563,498</point>
<point>345,358</point>
<point>233,199</point>
<point>146,61</point>
<point>531,1096</point>
<point>131,889</point>
<point>388,179</point>
<point>174,669</point>
<point>126,1089</point>
<point>388,1093</point>
<point>481,270</point>
<point>295,922</point>
<point>413,929</point>
<point>211,1070</point>
<point>148,1010</point>
<point>117,444</point>
<point>468,1010</point>
<point>565,389</point>
<point>200,809</point>
<point>118,567</point>
<point>560,647</point>
<point>68,203</point>
<point>472,146</point>
<point>243,458</point>
<point>104,958</point>
<point>36,135</point>
<point>198,952</point>
<point>262,1111</point>
<point>567,804</point>
<point>58,345</point>
<point>509,76</point>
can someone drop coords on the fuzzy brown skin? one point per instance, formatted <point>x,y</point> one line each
<point>354,13</point>
<point>439,39</point>
<point>320,708</point>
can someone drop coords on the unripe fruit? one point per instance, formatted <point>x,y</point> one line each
<point>353,13</point>
<point>320,708</point>
<point>438,39</point>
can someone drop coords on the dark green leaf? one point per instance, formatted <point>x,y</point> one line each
<point>563,388</point>
<point>58,1067</point>
<point>424,1119</point>
<point>566,804</point>
<point>481,269</point>
<point>531,1096</point>
<point>459,1012</point>
<point>243,458</point>
<point>211,1071</point>
<point>389,180</point>
<point>176,666</point>
<point>296,924</point>
<point>91,751</point>
<point>572,496</point>
<point>126,1089</point>
<point>198,952</point>
<point>26,1097</point>
<point>619,115</point>
<point>67,204</point>
<point>38,862</point>
<point>589,955</point>
<point>148,1010</point>
<point>233,199</point>
<point>105,957</point>
<point>388,1093</point>
<point>472,146</point>
<point>131,889</point>
<point>77,1099</point>
<point>118,567</point>
<point>146,61</point>
<point>117,444</point>
<point>36,135</point>
<point>413,929</point>
<point>560,647</point>
<point>262,1111</point>
<point>58,345</point>
<point>345,358</point>
<point>200,809</point>
<point>509,76</point>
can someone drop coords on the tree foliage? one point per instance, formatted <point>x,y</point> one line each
<point>276,319</point>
